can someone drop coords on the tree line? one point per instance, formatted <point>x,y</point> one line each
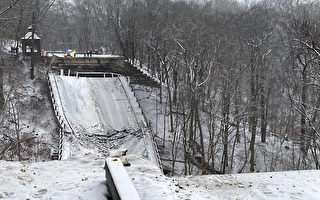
<point>229,68</point>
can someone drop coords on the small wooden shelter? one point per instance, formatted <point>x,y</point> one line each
<point>28,43</point>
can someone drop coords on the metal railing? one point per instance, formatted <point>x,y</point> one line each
<point>130,102</point>
<point>62,121</point>
<point>155,147</point>
<point>100,74</point>
<point>59,119</point>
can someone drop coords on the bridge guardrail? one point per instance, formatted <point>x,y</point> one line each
<point>118,181</point>
<point>147,133</point>
<point>64,124</point>
<point>103,74</point>
<point>59,119</point>
<point>155,147</point>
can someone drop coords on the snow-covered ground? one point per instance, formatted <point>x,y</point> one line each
<point>84,178</point>
<point>80,178</point>
<point>271,185</point>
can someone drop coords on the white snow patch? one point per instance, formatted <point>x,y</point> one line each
<point>81,178</point>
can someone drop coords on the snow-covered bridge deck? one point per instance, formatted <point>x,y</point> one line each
<point>96,102</point>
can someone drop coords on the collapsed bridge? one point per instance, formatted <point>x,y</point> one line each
<point>92,112</point>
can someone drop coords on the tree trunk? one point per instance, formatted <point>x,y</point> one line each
<point>1,88</point>
<point>1,84</point>
<point>211,142</point>
<point>191,133</point>
<point>203,162</point>
<point>263,114</point>
<point>237,102</point>
<point>175,85</point>
<point>232,153</point>
<point>303,125</point>
<point>170,99</point>
<point>315,146</point>
<point>226,106</point>
<point>16,122</point>
<point>185,140</point>
<point>173,153</point>
<point>252,114</point>
<point>164,124</point>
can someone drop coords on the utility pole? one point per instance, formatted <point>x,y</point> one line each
<point>32,48</point>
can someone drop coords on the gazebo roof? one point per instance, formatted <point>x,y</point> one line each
<point>28,36</point>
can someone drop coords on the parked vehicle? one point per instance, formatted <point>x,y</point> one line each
<point>68,53</point>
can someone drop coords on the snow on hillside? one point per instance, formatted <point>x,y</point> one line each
<point>33,116</point>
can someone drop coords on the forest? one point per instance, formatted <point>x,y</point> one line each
<point>240,79</point>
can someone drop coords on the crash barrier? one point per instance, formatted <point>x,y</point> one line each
<point>155,148</point>
<point>63,123</point>
<point>135,106</point>
<point>59,119</point>
<point>97,74</point>
<point>118,181</point>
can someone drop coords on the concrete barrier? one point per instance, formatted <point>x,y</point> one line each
<point>118,181</point>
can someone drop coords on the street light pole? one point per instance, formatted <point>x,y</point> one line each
<point>32,48</point>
